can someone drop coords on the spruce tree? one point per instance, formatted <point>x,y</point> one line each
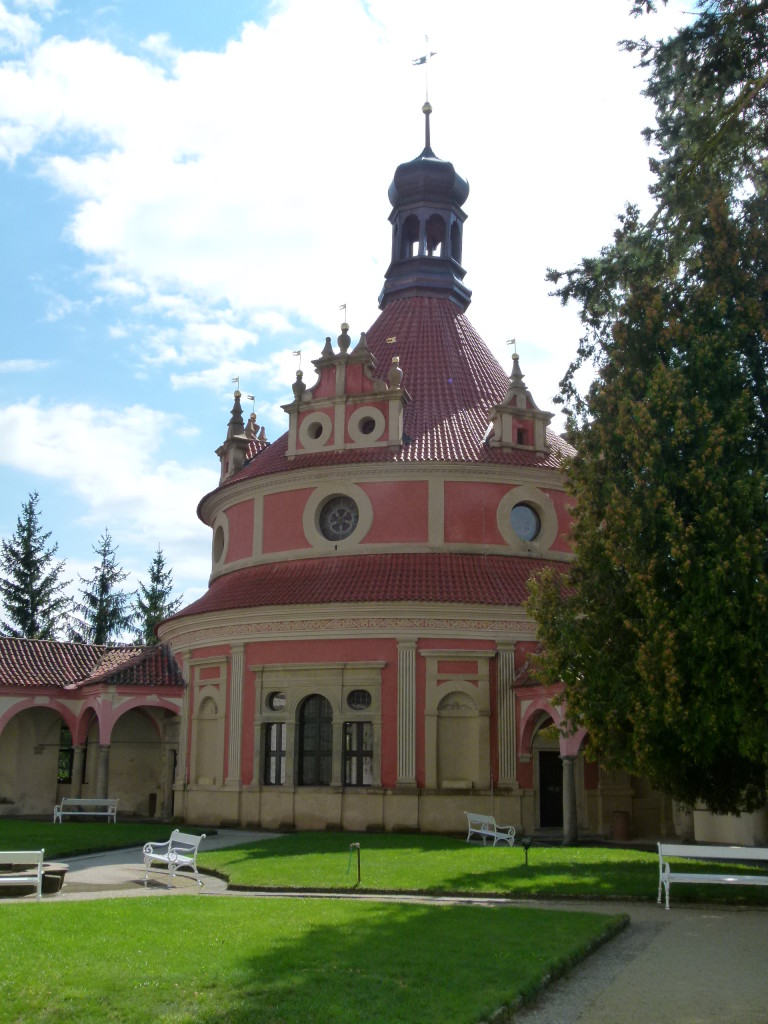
<point>32,589</point>
<point>103,615</point>
<point>660,627</point>
<point>153,602</point>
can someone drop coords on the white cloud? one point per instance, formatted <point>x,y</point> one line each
<point>23,365</point>
<point>113,462</point>
<point>17,31</point>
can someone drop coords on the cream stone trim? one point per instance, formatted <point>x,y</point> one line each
<point>505,701</point>
<point>308,426</point>
<point>406,713</point>
<point>298,477</point>
<point>366,412</point>
<point>406,622</point>
<point>312,511</point>
<point>334,681</point>
<point>545,509</point>
<point>235,714</point>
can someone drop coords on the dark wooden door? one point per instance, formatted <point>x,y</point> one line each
<point>550,789</point>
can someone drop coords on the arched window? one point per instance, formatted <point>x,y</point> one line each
<point>409,240</point>
<point>315,741</point>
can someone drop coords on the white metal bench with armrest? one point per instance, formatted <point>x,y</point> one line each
<point>177,854</point>
<point>485,826</point>
<point>731,855</point>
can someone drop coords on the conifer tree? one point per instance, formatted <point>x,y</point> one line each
<point>32,589</point>
<point>153,602</point>
<point>103,615</point>
<point>660,628</point>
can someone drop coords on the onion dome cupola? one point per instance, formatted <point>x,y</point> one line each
<point>427,223</point>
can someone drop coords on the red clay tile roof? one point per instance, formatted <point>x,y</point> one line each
<point>442,578</point>
<point>453,380</point>
<point>43,663</point>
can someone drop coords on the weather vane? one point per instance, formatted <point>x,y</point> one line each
<point>236,382</point>
<point>297,352</point>
<point>252,398</point>
<point>344,307</point>
<point>513,343</point>
<point>418,61</point>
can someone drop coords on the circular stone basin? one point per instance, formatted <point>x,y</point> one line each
<point>53,879</point>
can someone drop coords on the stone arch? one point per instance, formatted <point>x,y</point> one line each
<point>143,749</point>
<point>29,757</point>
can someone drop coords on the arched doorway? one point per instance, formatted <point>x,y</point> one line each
<point>548,768</point>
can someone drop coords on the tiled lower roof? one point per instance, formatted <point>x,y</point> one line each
<point>453,380</point>
<point>419,577</point>
<point>46,663</point>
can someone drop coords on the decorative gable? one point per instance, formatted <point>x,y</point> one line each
<point>348,407</point>
<point>517,422</point>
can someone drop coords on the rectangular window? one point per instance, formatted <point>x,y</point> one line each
<point>358,753</point>
<point>274,761</point>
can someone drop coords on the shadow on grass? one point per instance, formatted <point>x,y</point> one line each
<point>279,961</point>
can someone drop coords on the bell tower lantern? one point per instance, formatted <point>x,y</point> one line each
<point>427,223</point>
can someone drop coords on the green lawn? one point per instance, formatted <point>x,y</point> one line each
<point>277,961</point>
<point>438,864</point>
<point>73,837</point>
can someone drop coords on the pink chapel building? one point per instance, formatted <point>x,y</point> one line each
<point>361,657</point>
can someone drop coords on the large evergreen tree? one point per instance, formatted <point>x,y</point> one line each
<point>660,628</point>
<point>153,602</point>
<point>31,587</point>
<point>103,614</point>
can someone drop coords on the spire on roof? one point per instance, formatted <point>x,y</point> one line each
<point>427,224</point>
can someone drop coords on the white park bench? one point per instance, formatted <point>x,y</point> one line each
<point>178,853</point>
<point>484,825</point>
<point>21,868</point>
<point>731,855</point>
<point>76,806</point>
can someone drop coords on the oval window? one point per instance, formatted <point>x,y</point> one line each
<point>276,701</point>
<point>525,521</point>
<point>359,700</point>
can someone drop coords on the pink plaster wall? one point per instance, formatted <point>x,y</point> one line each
<point>470,512</point>
<point>282,529</point>
<point>240,519</point>
<point>400,512</point>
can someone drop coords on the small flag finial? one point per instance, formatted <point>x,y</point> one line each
<point>419,61</point>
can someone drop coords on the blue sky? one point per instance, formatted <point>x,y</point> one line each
<point>190,190</point>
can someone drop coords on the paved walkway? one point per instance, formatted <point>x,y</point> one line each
<point>689,965</point>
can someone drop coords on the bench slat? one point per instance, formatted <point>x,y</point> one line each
<point>725,854</point>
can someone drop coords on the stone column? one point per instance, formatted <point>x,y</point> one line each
<point>290,753</point>
<point>569,800</point>
<point>406,713</point>
<point>166,784</point>
<point>505,709</point>
<point>235,717</point>
<point>102,772</point>
<point>181,764</point>
<point>77,771</point>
